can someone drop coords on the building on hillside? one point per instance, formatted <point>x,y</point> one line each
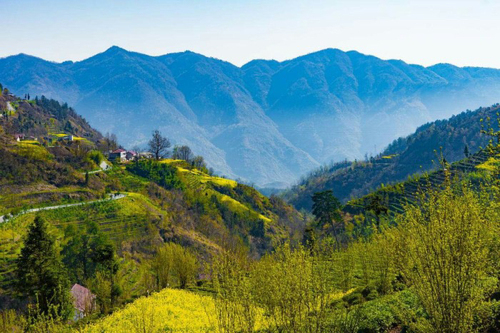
<point>130,155</point>
<point>119,154</point>
<point>83,301</point>
<point>123,155</point>
<point>68,137</point>
<point>145,155</point>
<point>22,137</point>
<point>104,166</point>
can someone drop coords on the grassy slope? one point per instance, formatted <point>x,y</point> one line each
<point>373,312</point>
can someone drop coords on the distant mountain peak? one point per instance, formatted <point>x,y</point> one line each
<point>268,121</point>
<point>24,57</point>
<point>115,49</point>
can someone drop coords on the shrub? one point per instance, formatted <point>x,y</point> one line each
<point>444,254</point>
<point>96,156</point>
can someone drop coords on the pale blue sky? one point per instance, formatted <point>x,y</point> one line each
<point>462,32</point>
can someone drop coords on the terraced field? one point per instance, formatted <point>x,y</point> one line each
<point>397,196</point>
<point>121,220</point>
<point>196,179</point>
<point>32,149</point>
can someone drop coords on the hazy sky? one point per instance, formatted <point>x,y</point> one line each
<point>463,32</point>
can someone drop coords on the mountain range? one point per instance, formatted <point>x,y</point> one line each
<point>266,122</point>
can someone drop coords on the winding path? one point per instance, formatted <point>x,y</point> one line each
<point>111,197</point>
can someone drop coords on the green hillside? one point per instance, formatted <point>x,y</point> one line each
<point>445,244</point>
<point>135,206</point>
<point>417,153</point>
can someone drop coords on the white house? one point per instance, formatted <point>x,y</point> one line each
<point>120,154</point>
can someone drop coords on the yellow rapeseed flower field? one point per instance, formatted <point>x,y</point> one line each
<point>169,310</point>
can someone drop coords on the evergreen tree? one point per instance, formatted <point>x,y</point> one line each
<point>466,151</point>
<point>326,208</point>
<point>377,204</point>
<point>68,127</point>
<point>41,276</point>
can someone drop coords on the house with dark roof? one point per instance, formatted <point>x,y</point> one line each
<point>83,301</point>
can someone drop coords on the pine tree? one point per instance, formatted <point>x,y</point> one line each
<point>326,208</point>
<point>466,151</point>
<point>40,274</point>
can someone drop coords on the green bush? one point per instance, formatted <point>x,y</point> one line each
<point>354,298</point>
<point>162,174</point>
<point>96,156</point>
<point>376,316</point>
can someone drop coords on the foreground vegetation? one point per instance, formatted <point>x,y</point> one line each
<point>169,310</point>
<point>436,271</point>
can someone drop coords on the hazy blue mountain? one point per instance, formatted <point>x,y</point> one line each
<point>266,122</point>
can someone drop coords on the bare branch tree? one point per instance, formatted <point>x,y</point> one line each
<point>182,153</point>
<point>158,145</point>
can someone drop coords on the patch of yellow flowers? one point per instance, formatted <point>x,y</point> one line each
<point>169,310</point>
<point>492,164</point>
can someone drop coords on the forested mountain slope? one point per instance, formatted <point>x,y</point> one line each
<point>267,122</point>
<point>41,116</point>
<point>393,198</point>
<point>406,156</point>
